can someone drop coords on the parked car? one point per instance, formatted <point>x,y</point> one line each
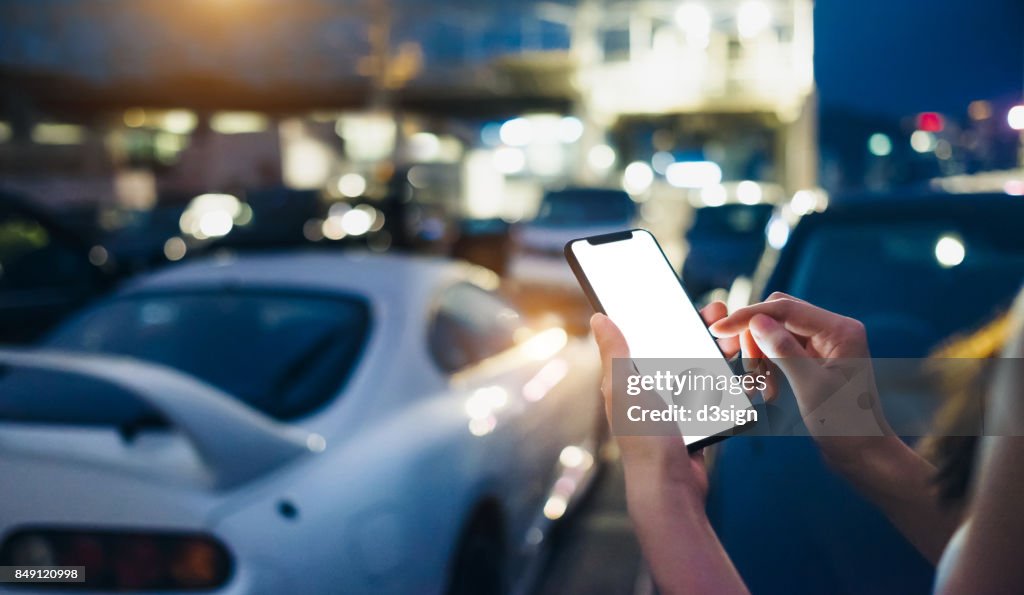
<point>318,422</point>
<point>268,218</point>
<point>485,242</point>
<point>565,215</point>
<point>725,242</point>
<point>278,217</point>
<point>915,269</point>
<point>46,270</point>
<point>140,241</point>
<point>537,263</point>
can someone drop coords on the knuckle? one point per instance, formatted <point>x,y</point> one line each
<point>853,328</point>
<point>784,305</point>
<point>786,346</point>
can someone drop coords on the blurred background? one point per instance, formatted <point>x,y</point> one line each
<point>266,209</point>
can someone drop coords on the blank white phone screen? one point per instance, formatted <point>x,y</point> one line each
<point>639,291</point>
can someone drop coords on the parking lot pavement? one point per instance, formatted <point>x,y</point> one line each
<point>595,551</point>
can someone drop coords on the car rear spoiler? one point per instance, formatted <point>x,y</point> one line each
<point>234,441</point>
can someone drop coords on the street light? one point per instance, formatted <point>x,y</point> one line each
<point>517,132</point>
<point>879,144</point>
<point>695,21</point>
<point>753,18</point>
<point>693,174</point>
<point>601,158</point>
<point>922,141</point>
<point>637,177</point>
<point>1015,117</point>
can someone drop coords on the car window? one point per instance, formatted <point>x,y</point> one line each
<point>32,257</point>
<point>731,221</point>
<point>283,354</point>
<point>911,286</point>
<point>470,325</point>
<point>585,207</point>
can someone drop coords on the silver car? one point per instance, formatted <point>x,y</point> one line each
<point>310,423</point>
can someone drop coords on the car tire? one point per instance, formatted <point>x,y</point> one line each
<point>479,561</point>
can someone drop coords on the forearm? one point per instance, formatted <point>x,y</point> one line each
<point>989,561</point>
<point>681,548</point>
<point>899,481</point>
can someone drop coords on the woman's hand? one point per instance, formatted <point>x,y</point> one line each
<point>663,459</point>
<point>826,360</point>
<point>666,487</point>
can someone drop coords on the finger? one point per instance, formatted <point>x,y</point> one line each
<point>714,312</point>
<point>773,339</point>
<point>749,346</point>
<point>783,349</point>
<point>797,317</point>
<point>730,346</point>
<point>779,295</point>
<point>756,362</point>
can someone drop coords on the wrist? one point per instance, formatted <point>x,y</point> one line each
<point>678,541</point>
<point>651,496</point>
<point>855,456</point>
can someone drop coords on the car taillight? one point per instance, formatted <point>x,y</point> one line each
<point>196,563</point>
<point>122,561</point>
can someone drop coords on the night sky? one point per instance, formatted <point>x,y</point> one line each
<point>896,57</point>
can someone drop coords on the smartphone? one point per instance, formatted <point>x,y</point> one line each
<point>627,277</point>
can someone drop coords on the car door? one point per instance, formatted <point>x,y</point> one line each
<point>473,337</point>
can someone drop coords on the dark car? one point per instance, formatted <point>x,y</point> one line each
<point>139,243</point>
<point>915,269</point>
<point>45,270</point>
<point>725,242</point>
<point>278,217</point>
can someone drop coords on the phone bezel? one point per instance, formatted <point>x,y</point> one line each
<point>595,303</point>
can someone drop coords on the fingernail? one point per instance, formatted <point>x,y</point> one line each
<point>716,330</point>
<point>598,321</point>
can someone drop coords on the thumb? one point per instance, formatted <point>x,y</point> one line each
<point>609,340</point>
<point>781,347</point>
<point>773,339</point>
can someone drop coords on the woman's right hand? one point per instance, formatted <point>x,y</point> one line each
<point>825,358</point>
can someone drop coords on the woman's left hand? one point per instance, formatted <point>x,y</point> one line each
<point>664,461</point>
<point>666,488</point>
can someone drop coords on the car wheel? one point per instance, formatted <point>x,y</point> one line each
<point>478,566</point>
